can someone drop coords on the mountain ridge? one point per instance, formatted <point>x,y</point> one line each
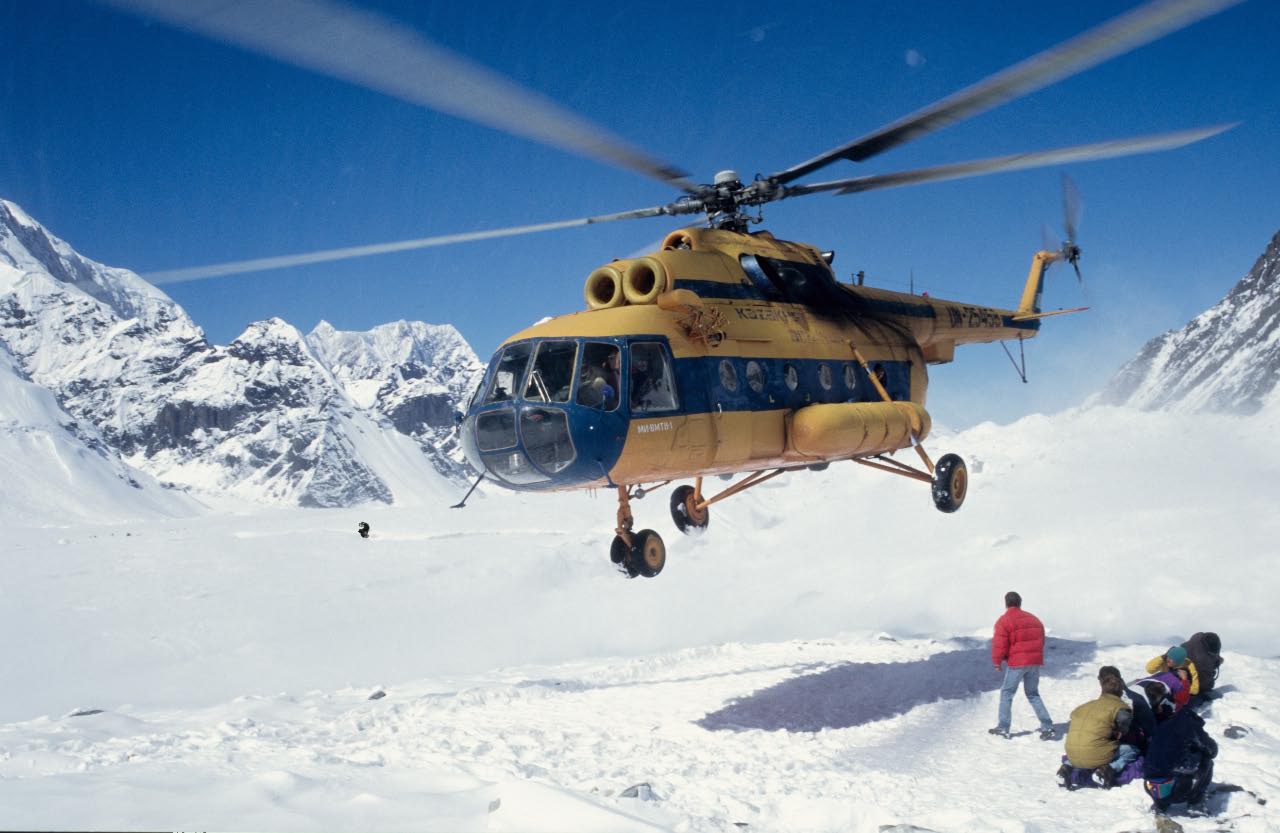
<point>269,417</point>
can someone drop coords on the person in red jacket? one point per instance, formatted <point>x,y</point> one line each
<point>1017,649</point>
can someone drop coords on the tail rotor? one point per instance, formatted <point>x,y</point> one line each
<point>1067,249</point>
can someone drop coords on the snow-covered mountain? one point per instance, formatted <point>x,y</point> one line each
<point>1227,359</point>
<point>414,374</point>
<point>50,457</point>
<point>264,418</point>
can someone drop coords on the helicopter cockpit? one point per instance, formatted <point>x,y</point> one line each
<point>551,413</point>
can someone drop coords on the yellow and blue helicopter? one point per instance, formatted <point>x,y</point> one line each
<point>725,352</point>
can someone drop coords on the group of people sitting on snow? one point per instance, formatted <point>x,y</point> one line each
<point>1149,729</point>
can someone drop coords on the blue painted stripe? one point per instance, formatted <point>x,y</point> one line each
<point>721,291</point>
<point>701,390</point>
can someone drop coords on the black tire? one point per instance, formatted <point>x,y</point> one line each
<point>648,553</point>
<point>950,483</point>
<point>684,511</point>
<point>620,554</point>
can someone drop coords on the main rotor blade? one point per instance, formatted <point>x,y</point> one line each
<point>376,53</point>
<point>1142,25</point>
<point>1015,162</point>
<point>239,267</point>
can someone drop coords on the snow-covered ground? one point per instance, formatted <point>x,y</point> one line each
<point>815,661</point>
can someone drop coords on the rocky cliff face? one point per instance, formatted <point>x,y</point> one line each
<point>414,374</point>
<point>1226,360</point>
<point>264,417</point>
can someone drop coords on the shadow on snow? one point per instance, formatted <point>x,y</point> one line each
<point>862,692</point>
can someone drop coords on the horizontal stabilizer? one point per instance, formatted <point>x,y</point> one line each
<point>1034,316</point>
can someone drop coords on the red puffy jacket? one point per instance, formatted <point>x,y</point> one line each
<point>1019,639</point>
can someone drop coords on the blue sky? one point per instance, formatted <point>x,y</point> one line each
<point>151,148</point>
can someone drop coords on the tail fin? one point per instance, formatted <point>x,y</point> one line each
<point>1029,306</point>
<point>1030,303</point>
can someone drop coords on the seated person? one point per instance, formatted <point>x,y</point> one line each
<point>1175,660</point>
<point>1143,726</point>
<point>1179,762</point>
<point>1204,650</point>
<point>598,382</point>
<point>1093,738</point>
<point>649,388</point>
<point>1166,693</point>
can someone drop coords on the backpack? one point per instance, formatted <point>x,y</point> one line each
<point>1205,650</point>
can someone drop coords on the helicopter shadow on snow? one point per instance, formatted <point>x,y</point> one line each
<point>856,693</point>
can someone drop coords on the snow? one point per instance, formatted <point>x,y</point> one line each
<point>815,661</point>
<point>47,455</point>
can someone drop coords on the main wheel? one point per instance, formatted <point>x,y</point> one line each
<point>685,511</point>
<point>620,554</point>
<point>950,483</point>
<point>648,553</point>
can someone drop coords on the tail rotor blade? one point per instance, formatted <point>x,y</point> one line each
<point>1048,240</point>
<point>1072,206</point>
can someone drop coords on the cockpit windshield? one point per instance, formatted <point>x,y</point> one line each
<point>552,374</point>
<point>607,375</point>
<point>509,373</point>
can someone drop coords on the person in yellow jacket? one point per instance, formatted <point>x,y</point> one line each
<point>1093,738</point>
<point>1176,661</point>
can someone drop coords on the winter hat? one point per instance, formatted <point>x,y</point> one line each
<point>1177,655</point>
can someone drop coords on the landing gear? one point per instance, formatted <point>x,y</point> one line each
<point>685,511</point>
<point>636,553</point>
<point>950,483</point>
<point>648,553</point>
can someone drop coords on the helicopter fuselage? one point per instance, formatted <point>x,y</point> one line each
<point>724,352</point>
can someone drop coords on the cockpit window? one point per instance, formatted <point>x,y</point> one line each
<point>652,388</point>
<point>552,374</point>
<point>509,373</point>
<point>598,378</point>
<point>757,275</point>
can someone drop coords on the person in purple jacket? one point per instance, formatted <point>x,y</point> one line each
<point>1017,650</point>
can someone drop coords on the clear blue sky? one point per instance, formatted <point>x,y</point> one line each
<point>151,148</point>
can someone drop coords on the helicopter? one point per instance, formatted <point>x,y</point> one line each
<point>727,352</point>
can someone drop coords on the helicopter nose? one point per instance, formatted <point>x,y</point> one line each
<point>538,447</point>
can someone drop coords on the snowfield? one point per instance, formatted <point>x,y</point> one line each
<point>816,661</point>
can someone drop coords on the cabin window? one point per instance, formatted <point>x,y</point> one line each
<point>824,376</point>
<point>598,378</point>
<point>755,376</point>
<point>495,429</point>
<point>509,374</point>
<point>790,376</point>
<point>545,432</point>
<point>514,468</point>
<point>850,378</point>
<point>652,382</point>
<point>728,376</point>
<point>552,374</point>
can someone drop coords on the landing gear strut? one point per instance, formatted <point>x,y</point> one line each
<point>636,553</point>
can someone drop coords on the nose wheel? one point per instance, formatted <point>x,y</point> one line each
<point>640,553</point>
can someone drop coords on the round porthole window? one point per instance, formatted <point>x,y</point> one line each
<point>755,376</point>
<point>850,377</point>
<point>790,376</point>
<point>824,376</point>
<point>728,376</point>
